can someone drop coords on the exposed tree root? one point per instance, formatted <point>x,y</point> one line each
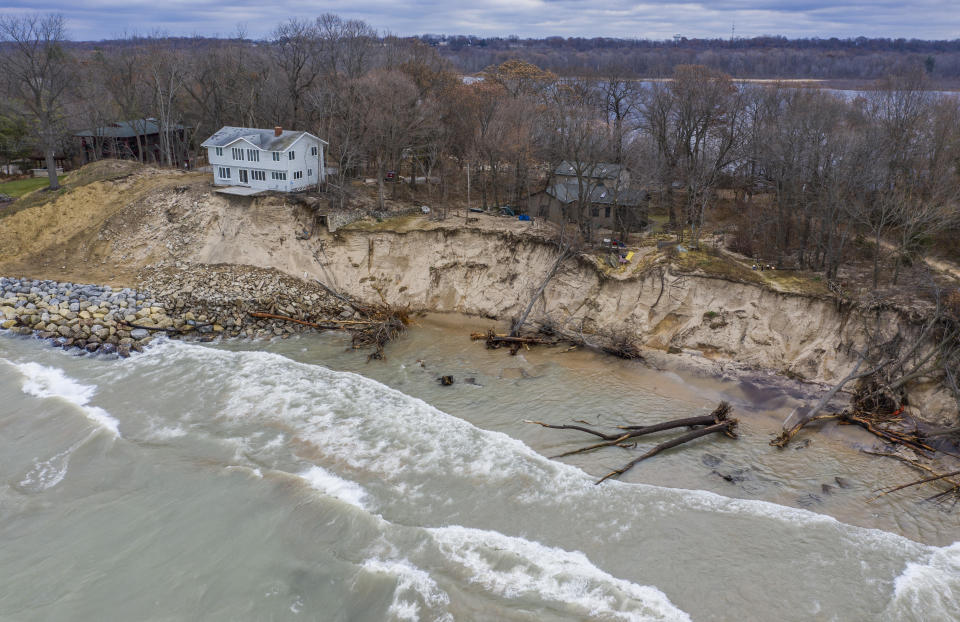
<point>787,435</point>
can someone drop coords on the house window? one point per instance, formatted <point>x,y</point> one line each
<point>280,175</point>
<point>224,172</point>
<point>219,151</point>
<point>606,212</point>
<point>309,172</point>
<point>595,212</point>
<point>259,175</point>
<point>253,155</point>
<point>237,153</point>
<point>313,150</point>
<point>298,174</point>
<point>276,156</point>
<point>291,155</point>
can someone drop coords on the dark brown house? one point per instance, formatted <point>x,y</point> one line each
<point>138,139</point>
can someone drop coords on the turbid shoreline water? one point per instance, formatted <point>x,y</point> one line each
<point>265,480</point>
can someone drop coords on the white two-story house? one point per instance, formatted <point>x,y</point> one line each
<point>277,159</point>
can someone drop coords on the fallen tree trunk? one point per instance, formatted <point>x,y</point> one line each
<point>183,329</point>
<point>728,427</point>
<point>331,325</point>
<point>494,340</point>
<point>888,435</point>
<point>626,433</point>
<point>719,414</point>
<point>933,478</point>
<point>606,437</point>
<point>564,253</point>
<point>715,417</point>
<point>789,431</point>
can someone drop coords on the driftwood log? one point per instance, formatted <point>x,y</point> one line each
<point>329,325</point>
<point>728,427</point>
<point>186,328</point>
<point>493,340</point>
<point>716,422</point>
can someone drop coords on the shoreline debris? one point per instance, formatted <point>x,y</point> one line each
<point>717,421</point>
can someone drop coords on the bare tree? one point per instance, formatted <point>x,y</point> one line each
<point>575,133</point>
<point>35,68</point>
<point>395,119</point>
<point>929,199</point>
<point>708,121</point>
<point>122,74</point>
<point>296,45</point>
<point>345,46</point>
<point>166,74</point>
<point>621,96</point>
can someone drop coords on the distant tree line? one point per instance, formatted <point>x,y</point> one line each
<point>858,58</point>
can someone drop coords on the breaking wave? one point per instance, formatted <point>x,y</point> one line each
<point>49,382</point>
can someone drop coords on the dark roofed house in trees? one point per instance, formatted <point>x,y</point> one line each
<point>611,203</point>
<point>137,139</point>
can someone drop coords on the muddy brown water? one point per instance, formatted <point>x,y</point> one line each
<point>294,480</point>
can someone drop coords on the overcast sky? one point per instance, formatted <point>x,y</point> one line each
<point>924,19</point>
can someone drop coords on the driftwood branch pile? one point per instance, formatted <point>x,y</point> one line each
<point>718,421</point>
<point>378,324</point>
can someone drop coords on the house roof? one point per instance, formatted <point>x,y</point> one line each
<point>566,192</point>
<point>264,139</point>
<point>597,170</point>
<point>127,129</point>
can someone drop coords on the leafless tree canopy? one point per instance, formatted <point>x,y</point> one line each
<point>812,177</point>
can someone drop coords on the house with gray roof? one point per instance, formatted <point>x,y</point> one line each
<point>597,172</point>
<point>609,202</point>
<point>249,160</point>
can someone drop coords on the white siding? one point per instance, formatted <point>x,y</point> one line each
<point>302,161</point>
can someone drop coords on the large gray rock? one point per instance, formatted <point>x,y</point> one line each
<point>139,333</point>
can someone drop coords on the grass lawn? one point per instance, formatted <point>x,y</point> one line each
<point>20,187</point>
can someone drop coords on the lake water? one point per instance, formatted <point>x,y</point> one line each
<point>292,480</point>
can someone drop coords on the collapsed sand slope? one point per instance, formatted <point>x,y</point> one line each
<point>104,230</point>
<point>493,272</point>
<point>152,224</point>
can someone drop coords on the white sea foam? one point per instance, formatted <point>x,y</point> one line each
<point>395,437</point>
<point>336,487</point>
<point>413,587</point>
<point>50,382</point>
<point>411,452</point>
<point>160,432</point>
<point>929,590</point>
<point>515,568</point>
<point>48,473</point>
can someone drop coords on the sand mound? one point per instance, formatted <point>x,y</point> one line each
<point>72,233</point>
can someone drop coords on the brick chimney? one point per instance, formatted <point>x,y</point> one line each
<point>277,130</point>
